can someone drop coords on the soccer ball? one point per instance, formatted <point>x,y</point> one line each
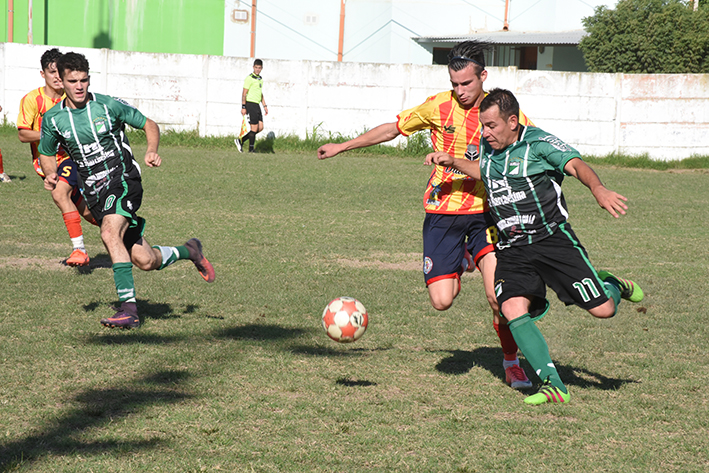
<point>345,319</point>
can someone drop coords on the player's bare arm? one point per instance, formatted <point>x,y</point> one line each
<point>152,135</point>
<point>243,101</point>
<point>49,168</point>
<point>471,168</point>
<point>375,136</point>
<point>28,136</point>
<point>613,202</point>
<point>265,107</point>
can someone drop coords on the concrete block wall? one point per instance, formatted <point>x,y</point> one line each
<point>666,116</point>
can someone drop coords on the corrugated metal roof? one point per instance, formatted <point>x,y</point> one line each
<point>513,37</point>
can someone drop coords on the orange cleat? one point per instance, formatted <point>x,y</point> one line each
<point>77,258</point>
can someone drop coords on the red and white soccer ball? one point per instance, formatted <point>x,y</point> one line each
<point>345,319</point>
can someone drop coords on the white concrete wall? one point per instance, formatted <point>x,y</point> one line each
<point>666,116</point>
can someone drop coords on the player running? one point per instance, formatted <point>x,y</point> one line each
<point>523,168</point>
<point>457,222</point>
<point>91,128</point>
<point>66,193</point>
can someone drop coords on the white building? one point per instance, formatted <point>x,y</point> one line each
<point>402,31</point>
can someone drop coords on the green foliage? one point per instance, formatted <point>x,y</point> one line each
<point>648,36</point>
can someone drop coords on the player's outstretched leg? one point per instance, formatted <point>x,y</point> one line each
<point>194,246</point>
<point>126,317</point>
<point>627,288</point>
<point>535,349</point>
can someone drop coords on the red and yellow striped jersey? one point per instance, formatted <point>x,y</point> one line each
<point>33,106</point>
<point>453,128</point>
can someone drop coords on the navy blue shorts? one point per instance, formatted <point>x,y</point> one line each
<point>445,238</point>
<point>66,171</point>
<point>558,261</point>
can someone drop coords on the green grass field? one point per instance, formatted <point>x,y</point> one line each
<point>239,375</point>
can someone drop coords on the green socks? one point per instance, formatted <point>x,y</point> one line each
<point>123,277</point>
<point>613,292</point>
<point>170,254</point>
<point>532,344</point>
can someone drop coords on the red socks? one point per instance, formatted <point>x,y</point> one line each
<point>509,346</point>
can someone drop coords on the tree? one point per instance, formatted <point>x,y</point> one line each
<point>648,36</point>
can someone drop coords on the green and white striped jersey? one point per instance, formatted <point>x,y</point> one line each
<point>94,137</point>
<point>523,184</point>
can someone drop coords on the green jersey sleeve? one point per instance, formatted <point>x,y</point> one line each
<point>127,113</point>
<point>556,152</point>
<point>48,139</point>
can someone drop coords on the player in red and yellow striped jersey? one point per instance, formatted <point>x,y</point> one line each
<point>457,224</point>
<point>66,195</point>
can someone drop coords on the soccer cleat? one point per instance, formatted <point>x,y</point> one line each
<point>239,146</point>
<point>515,377</point>
<point>4,177</point>
<point>126,317</point>
<point>548,393</point>
<point>194,246</point>
<point>77,258</point>
<point>628,289</point>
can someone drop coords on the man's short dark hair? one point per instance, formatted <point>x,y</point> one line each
<point>468,53</point>
<point>72,62</point>
<point>258,62</point>
<point>505,101</point>
<point>49,57</point>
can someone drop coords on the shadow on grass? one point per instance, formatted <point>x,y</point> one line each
<point>146,310</point>
<point>265,145</point>
<point>129,337</point>
<point>460,362</point>
<point>259,332</point>
<point>354,382</point>
<point>97,409</point>
<point>100,261</point>
<point>311,350</point>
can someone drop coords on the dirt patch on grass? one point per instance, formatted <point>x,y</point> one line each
<point>400,261</point>
<point>33,263</point>
<point>396,261</point>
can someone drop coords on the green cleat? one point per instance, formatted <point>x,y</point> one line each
<point>628,289</point>
<point>548,393</point>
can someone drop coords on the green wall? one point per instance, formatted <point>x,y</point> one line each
<point>156,26</point>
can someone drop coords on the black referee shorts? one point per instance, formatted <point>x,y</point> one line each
<point>253,110</point>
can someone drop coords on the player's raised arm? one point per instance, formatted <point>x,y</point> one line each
<point>375,136</point>
<point>152,135</point>
<point>613,202</point>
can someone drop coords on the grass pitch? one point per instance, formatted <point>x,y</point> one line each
<point>239,376</point>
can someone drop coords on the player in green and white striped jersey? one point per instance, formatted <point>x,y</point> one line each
<point>523,168</point>
<point>91,128</point>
